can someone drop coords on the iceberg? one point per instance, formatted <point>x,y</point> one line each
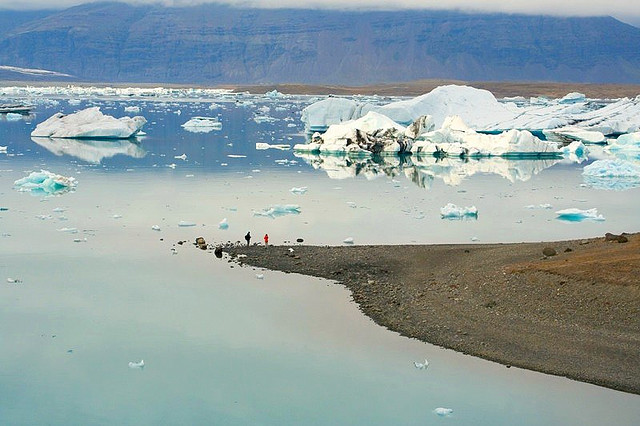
<point>46,183</point>
<point>318,116</point>
<point>451,211</point>
<point>617,175</point>
<point>89,123</point>
<point>202,125</point>
<point>91,151</point>
<point>577,215</point>
<point>223,224</point>
<point>139,364</point>
<point>455,138</point>
<point>443,412</point>
<point>572,98</point>
<point>278,210</point>
<point>570,134</point>
<point>373,133</point>
<point>627,143</point>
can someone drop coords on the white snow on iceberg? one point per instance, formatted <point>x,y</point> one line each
<point>89,123</point>
<point>578,215</point>
<point>45,183</point>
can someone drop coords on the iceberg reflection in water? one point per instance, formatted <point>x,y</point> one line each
<point>90,150</point>
<point>423,170</point>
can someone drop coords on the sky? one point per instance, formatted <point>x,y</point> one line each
<point>625,10</point>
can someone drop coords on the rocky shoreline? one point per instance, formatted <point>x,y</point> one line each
<point>573,311</point>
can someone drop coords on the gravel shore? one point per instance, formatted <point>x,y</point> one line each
<point>574,313</point>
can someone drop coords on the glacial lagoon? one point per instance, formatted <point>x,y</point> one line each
<point>96,287</point>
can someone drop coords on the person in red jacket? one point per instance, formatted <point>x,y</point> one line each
<point>266,239</point>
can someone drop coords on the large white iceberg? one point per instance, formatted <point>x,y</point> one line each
<point>322,114</point>
<point>373,133</point>
<point>455,138</point>
<point>89,123</point>
<point>45,183</point>
<point>617,175</point>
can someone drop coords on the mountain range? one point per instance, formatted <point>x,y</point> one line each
<point>216,44</point>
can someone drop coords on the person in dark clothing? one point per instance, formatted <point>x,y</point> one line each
<point>248,237</point>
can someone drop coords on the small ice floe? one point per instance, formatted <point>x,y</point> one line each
<point>451,211</point>
<point>89,123</point>
<point>262,146</point>
<point>172,165</point>
<point>348,240</point>
<point>68,230</point>
<point>3,149</point>
<point>156,227</point>
<point>80,240</point>
<point>475,239</point>
<point>539,206</point>
<point>236,156</point>
<point>182,157</point>
<point>44,217</point>
<point>186,223</point>
<point>59,210</point>
<point>202,125</point>
<point>14,280</point>
<point>578,215</point>
<point>223,224</point>
<point>298,191</point>
<point>139,364</point>
<point>443,412</point>
<point>352,204</point>
<point>278,210</point>
<point>46,183</point>
<point>117,216</point>
<point>421,365</point>
<point>133,109</point>
<point>260,276</point>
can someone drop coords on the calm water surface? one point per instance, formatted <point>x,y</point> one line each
<point>221,346</point>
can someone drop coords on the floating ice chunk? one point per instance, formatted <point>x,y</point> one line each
<point>278,210</point>
<point>236,156</point>
<point>455,138</point>
<point>89,123</point>
<point>451,211</point>
<point>69,230</point>
<point>3,149</point>
<point>575,149</point>
<point>182,157</point>
<point>132,108</point>
<point>139,364</point>
<point>615,174</point>
<point>202,125</point>
<point>260,276</point>
<point>320,115</point>
<point>612,168</point>
<point>421,365</point>
<point>626,142</point>
<point>299,191</point>
<point>348,240</point>
<point>570,134</point>
<point>264,119</point>
<point>578,215</point>
<point>155,227</point>
<point>186,223</point>
<point>59,210</point>
<point>443,412</point>
<point>172,165</point>
<point>117,216</point>
<point>12,116</point>
<point>539,206</point>
<point>274,94</point>
<point>14,280</point>
<point>45,182</point>
<point>572,98</point>
<point>223,224</point>
<point>80,240</point>
<point>262,146</point>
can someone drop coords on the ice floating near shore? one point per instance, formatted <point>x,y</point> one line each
<point>45,183</point>
<point>139,364</point>
<point>278,210</point>
<point>299,191</point>
<point>348,240</point>
<point>421,365</point>
<point>186,223</point>
<point>223,224</point>
<point>202,125</point>
<point>451,211</point>
<point>455,138</point>
<point>443,412</point>
<point>89,123</point>
<point>578,215</point>
<point>617,175</point>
